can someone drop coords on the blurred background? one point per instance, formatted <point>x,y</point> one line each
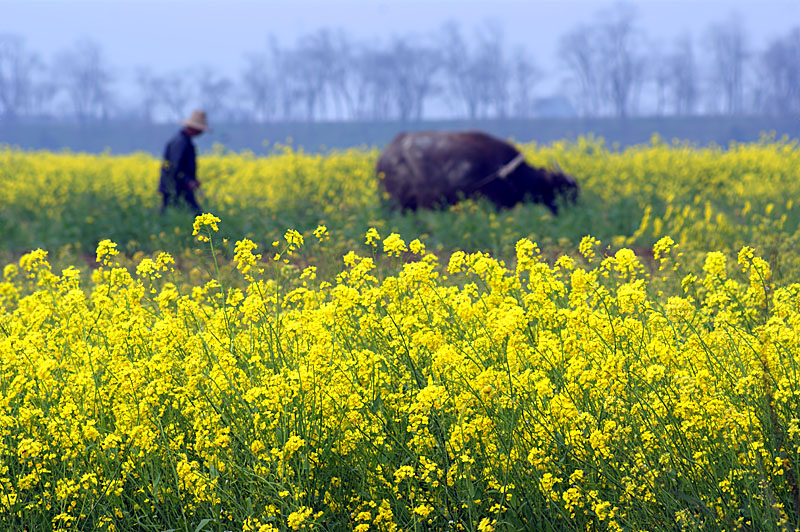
<point>120,75</point>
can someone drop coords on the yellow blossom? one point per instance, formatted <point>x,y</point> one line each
<point>204,222</point>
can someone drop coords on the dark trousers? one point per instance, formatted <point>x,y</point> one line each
<point>187,194</point>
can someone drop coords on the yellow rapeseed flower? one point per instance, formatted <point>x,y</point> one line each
<point>204,222</point>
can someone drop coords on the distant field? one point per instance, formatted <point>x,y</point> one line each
<point>306,358</point>
<point>705,199</point>
<point>128,137</point>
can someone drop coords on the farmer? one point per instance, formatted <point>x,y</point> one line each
<point>179,169</point>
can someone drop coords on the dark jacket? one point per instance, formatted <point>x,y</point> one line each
<point>179,167</point>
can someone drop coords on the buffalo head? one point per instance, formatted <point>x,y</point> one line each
<point>549,187</point>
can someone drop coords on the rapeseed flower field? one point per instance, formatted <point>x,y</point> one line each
<point>305,359</point>
<point>704,198</point>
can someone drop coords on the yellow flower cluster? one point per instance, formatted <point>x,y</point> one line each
<point>567,396</point>
<point>703,198</point>
<point>707,198</point>
<point>630,380</point>
<point>204,222</point>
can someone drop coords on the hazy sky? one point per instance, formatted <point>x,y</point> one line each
<point>178,34</point>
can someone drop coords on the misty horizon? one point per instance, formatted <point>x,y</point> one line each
<point>216,43</point>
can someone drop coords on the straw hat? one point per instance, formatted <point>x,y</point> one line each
<point>197,120</point>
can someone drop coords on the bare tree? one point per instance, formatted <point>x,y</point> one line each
<point>352,80</point>
<point>286,94</point>
<point>779,68</point>
<point>461,76</point>
<point>176,92</point>
<point>258,85</point>
<point>213,92</point>
<point>683,76</point>
<point>315,65</point>
<point>375,75</point>
<point>41,97</point>
<point>348,84</point>
<point>412,75</point>
<point>606,62</point>
<point>476,76</point>
<point>621,62</point>
<point>525,75</point>
<point>728,45</point>
<point>660,76</point>
<point>381,82</point>
<point>366,85</point>
<point>400,57</point>
<point>150,86</point>
<point>338,88</point>
<point>490,59</point>
<point>17,68</point>
<point>578,50</point>
<point>86,78</point>
<point>674,75</point>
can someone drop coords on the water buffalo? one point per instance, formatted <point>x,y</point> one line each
<point>426,169</point>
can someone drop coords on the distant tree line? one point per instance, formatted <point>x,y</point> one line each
<point>607,67</point>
